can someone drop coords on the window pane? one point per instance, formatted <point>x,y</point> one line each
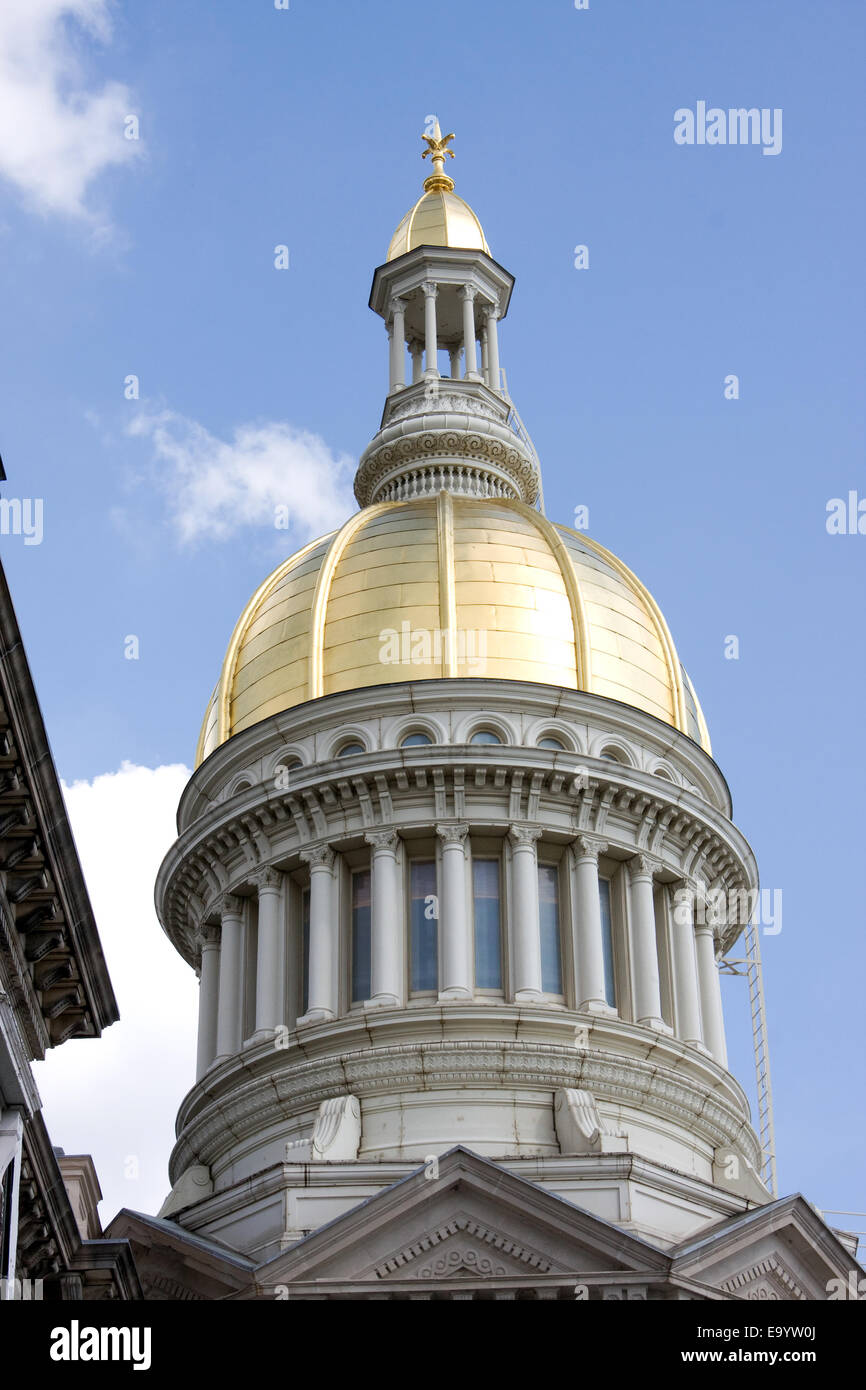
<point>485,736</point>
<point>415,741</point>
<point>423,926</point>
<point>305,949</point>
<point>551,743</point>
<point>607,942</point>
<point>488,949</point>
<point>360,935</point>
<point>548,903</point>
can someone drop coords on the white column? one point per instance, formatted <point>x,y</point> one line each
<point>687,1008</point>
<point>453,922</point>
<point>322,1003</point>
<point>470,357</point>
<point>397,334</point>
<point>230,1007</point>
<point>589,952</point>
<point>270,962</point>
<point>645,961</point>
<point>527,927</point>
<point>711,993</point>
<point>417,352</point>
<point>431,342</point>
<point>492,348</point>
<point>208,939</point>
<point>454,359</point>
<point>11,1146</point>
<point>485,364</point>
<point>386,921</point>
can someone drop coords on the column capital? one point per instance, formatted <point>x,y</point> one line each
<point>430,288</point>
<point>453,834</point>
<point>642,866</point>
<point>415,346</point>
<point>524,836</point>
<point>397,305</point>
<point>468,291</point>
<point>230,905</point>
<point>208,934</point>
<point>382,841</point>
<point>267,879</point>
<point>320,857</point>
<point>490,311</point>
<point>588,847</point>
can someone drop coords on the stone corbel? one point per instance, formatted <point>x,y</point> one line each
<point>192,1186</point>
<point>733,1171</point>
<point>336,1134</point>
<point>580,1128</point>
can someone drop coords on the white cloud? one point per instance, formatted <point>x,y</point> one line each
<point>214,487</point>
<point>116,1097</point>
<point>57,134</point>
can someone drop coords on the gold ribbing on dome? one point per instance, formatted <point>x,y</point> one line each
<point>437,148</point>
<point>555,608</point>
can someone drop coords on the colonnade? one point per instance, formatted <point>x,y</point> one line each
<point>424,354</point>
<point>693,973</point>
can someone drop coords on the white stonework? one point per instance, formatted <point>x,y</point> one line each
<point>458,1031</point>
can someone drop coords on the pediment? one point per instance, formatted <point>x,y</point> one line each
<point>782,1251</point>
<point>472,1219</point>
<point>463,1246</point>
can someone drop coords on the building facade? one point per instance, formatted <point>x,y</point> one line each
<point>54,988</point>
<point>456,869</point>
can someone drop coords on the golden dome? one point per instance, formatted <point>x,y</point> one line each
<point>526,600</point>
<point>439,218</point>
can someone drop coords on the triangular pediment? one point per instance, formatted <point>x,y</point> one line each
<point>467,1218</point>
<point>783,1251</point>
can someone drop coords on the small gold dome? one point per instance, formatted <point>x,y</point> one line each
<point>439,218</point>
<point>526,599</point>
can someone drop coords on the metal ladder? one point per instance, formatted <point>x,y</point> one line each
<point>515,423</point>
<point>749,967</point>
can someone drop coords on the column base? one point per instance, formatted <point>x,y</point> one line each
<point>314,1016</point>
<point>457,994</point>
<point>528,996</point>
<point>658,1025</point>
<point>698,1046</point>
<point>432,374</point>
<point>382,1001</point>
<point>474,376</point>
<point>599,1007</point>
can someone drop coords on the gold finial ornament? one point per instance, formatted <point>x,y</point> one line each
<point>437,148</point>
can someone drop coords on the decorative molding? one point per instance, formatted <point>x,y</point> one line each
<point>383,841</point>
<point>230,905</point>
<point>454,833</point>
<point>642,866</point>
<point>237,1104</point>
<point>776,1279</point>
<point>319,857</point>
<point>588,847</point>
<point>522,836</point>
<point>445,1264</point>
<point>267,879</point>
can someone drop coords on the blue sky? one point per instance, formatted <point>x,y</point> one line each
<point>261,127</point>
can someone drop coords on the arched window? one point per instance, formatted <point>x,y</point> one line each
<point>415,740</point>
<point>485,736</point>
<point>611,755</point>
<point>553,743</point>
<point>349,748</point>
